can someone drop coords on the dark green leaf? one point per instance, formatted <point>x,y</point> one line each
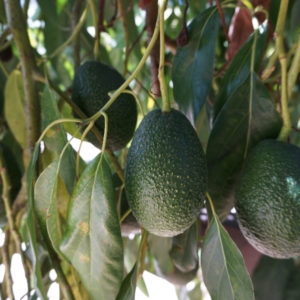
<point>30,222</point>
<point>228,139</point>
<point>223,268</point>
<point>193,64</point>
<point>292,289</point>
<point>127,290</point>
<point>56,138</point>
<point>270,278</point>
<point>184,252</point>
<point>14,106</point>
<point>239,69</point>
<point>93,242</point>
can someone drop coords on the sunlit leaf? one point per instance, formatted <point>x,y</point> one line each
<point>93,242</point>
<point>14,106</point>
<point>193,64</point>
<point>223,268</point>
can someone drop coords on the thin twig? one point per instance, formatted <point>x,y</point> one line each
<point>225,29</point>
<point>126,36</point>
<point>77,110</point>
<point>11,224</point>
<point>6,261</point>
<point>76,11</point>
<point>286,128</point>
<point>294,69</point>
<point>161,73</point>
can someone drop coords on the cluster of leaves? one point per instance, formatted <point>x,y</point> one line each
<point>67,211</point>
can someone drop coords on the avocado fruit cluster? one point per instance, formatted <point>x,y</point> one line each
<point>268,199</point>
<point>92,83</point>
<point>165,173</point>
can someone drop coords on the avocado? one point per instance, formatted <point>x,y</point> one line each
<point>91,85</point>
<point>165,173</point>
<point>268,199</point>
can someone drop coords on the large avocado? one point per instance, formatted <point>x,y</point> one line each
<point>268,199</point>
<point>165,173</point>
<point>92,83</point>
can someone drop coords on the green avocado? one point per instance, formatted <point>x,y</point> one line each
<point>92,83</point>
<point>165,173</point>
<point>268,199</point>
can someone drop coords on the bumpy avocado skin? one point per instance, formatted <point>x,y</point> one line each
<point>92,82</point>
<point>165,173</point>
<point>268,199</point>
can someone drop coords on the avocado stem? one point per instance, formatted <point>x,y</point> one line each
<point>287,125</point>
<point>161,74</point>
<point>139,67</point>
<point>211,204</point>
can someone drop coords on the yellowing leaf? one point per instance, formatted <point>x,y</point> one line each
<point>14,106</point>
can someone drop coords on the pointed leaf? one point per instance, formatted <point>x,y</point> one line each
<point>127,290</point>
<point>93,242</point>
<point>31,223</point>
<point>184,252</point>
<point>223,268</point>
<point>193,64</point>
<point>239,68</point>
<point>228,139</point>
<point>46,206</point>
<point>14,106</point>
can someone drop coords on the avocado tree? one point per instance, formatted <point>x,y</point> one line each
<point>203,96</point>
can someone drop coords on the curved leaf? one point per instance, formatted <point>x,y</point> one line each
<point>192,70</point>
<point>14,106</point>
<point>93,242</point>
<point>127,290</point>
<point>228,139</point>
<point>223,268</point>
<point>184,252</point>
<point>31,225</point>
<point>46,203</point>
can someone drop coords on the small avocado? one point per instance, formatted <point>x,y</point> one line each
<point>268,199</point>
<point>92,83</point>
<point>165,173</point>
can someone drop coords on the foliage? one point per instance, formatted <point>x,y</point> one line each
<point>64,208</point>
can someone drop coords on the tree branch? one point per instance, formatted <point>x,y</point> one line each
<point>17,24</point>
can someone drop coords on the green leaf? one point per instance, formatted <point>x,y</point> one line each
<point>228,139</point>
<point>184,252</point>
<point>159,248</point>
<point>127,290</point>
<point>46,206</point>
<point>193,64</point>
<point>14,106</point>
<point>239,68</point>
<point>31,223</point>
<point>56,138</point>
<point>93,242</point>
<point>223,268</point>
<point>270,278</point>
